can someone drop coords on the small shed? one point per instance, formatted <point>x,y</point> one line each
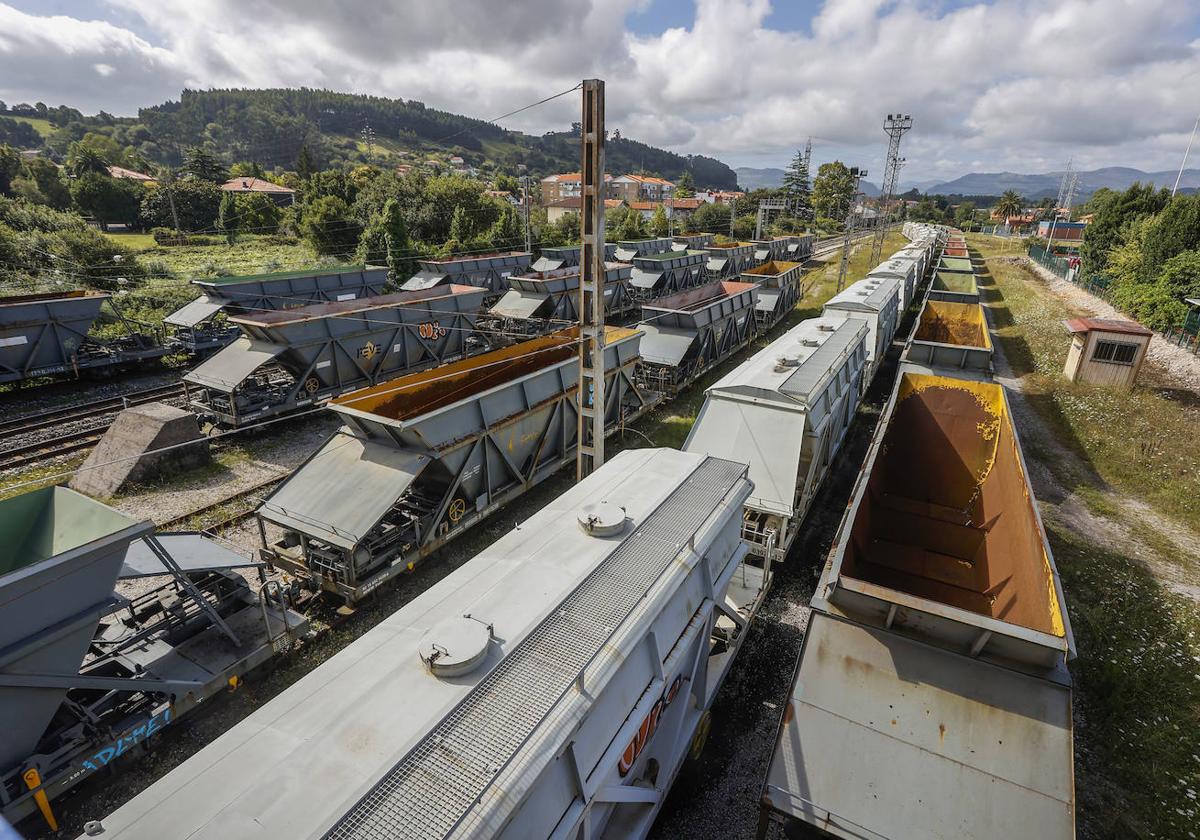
<point>1105,351</point>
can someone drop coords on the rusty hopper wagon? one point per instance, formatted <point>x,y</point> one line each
<point>196,330</point>
<point>665,273</point>
<point>539,302</point>
<point>955,286</point>
<point>950,336</point>
<point>875,300</point>
<point>725,262</point>
<point>87,675</point>
<point>292,358</point>
<point>551,687</point>
<point>690,332</point>
<point>692,241</point>
<point>552,259</point>
<point>780,287</point>
<point>423,458</point>
<point>49,335</point>
<point>487,271</point>
<point>629,248</point>
<point>785,412</point>
<point>932,697</point>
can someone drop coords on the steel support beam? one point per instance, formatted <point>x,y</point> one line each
<point>590,451</point>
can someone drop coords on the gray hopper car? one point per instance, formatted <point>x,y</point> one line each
<point>543,301</point>
<point>487,271</point>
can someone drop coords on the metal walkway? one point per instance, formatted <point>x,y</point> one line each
<point>434,789</point>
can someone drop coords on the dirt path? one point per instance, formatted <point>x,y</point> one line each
<point>1047,458</point>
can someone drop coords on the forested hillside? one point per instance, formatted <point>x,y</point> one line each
<point>271,127</point>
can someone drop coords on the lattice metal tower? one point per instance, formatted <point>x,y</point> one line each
<point>894,127</point>
<point>1066,187</point>
<point>857,174</point>
<point>589,452</point>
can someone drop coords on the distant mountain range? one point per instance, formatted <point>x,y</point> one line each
<point>994,183</point>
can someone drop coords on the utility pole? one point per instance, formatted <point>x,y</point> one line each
<point>1064,186</point>
<point>525,202</point>
<point>589,452</point>
<point>1186,152</point>
<point>857,174</point>
<point>894,127</point>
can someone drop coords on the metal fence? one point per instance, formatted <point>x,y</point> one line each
<point>1051,263</point>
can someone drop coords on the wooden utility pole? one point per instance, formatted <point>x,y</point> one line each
<point>589,455</point>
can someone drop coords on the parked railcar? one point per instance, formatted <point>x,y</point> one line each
<point>780,288</point>
<point>486,271</point>
<point>550,687</point>
<point>724,262</point>
<point>294,358</point>
<point>665,273</point>
<point>543,301</point>
<point>627,249</point>
<point>932,696</point>
<point>50,335</point>
<point>875,300</point>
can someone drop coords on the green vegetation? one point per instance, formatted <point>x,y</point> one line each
<point>833,192</point>
<point>1141,443</point>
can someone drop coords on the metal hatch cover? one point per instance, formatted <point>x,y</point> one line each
<point>456,646</point>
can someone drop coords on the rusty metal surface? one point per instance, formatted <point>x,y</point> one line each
<point>327,309</point>
<point>774,268</point>
<point>946,322</point>
<point>690,300</point>
<point>886,737</point>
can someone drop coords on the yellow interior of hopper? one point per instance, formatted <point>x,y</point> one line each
<point>948,513</point>
<point>419,393</point>
<point>947,322</point>
<point>769,269</point>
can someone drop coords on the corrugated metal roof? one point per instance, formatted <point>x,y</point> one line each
<point>1112,325</point>
<point>519,304</point>
<point>189,315</point>
<point>861,754</point>
<point>663,345</point>
<point>870,294</point>
<point>341,492</point>
<point>226,370</point>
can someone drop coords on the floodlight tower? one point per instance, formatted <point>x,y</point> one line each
<point>895,127</point>
<point>1066,187</point>
<point>857,174</point>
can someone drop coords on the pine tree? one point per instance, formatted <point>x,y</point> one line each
<point>659,226</point>
<point>506,233</point>
<point>684,187</point>
<point>797,186</point>
<point>305,165</point>
<point>460,226</point>
<point>227,217</point>
<point>631,226</point>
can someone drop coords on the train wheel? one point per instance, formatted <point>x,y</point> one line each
<point>701,736</point>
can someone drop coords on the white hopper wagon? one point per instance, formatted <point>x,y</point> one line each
<point>875,300</point>
<point>550,687</point>
<point>785,412</point>
<point>907,270</point>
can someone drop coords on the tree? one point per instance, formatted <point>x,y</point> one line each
<point>964,216</point>
<point>399,248</point>
<point>107,200</point>
<point>257,213</point>
<point>833,191</point>
<point>1114,214</point>
<point>461,229</point>
<point>1009,204</point>
<point>46,176</point>
<point>227,217</point>
<point>684,186</point>
<point>796,185</point>
<point>197,204</point>
<point>659,225</point>
<point>246,169</point>
<point>329,227</point>
<point>710,218</point>
<point>305,165</point>
<point>632,226</point>
<point>1175,230</point>
<point>83,158</point>
<point>10,167</point>
<point>506,233</point>
<point>201,164</point>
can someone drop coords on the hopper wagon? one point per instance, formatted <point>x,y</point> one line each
<point>542,301</point>
<point>45,335</point>
<point>551,687</point>
<point>875,300</point>
<point>289,359</point>
<point>961,265</point>
<point>725,262</point>
<point>920,253</point>
<point>424,457</point>
<point>552,259</point>
<point>486,271</point>
<point>956,250</point>
<point>955,286</point>
<point>796,247</point>
<point>87,675</point>
<point>932,696</point>
<point>665,273</point>
<point>692,241</point>
<point>196,330</point>
<point>780,288</point>
<point>905,271</point>
<point>627,249</point>
<point>785,412</point>
<point>767,250</point>
<point>950,336</point>
<point>688,333</point>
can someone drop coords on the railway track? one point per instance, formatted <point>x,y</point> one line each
<point>74,440</point>
<point>240,513</point>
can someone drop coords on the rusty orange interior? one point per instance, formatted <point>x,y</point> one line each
<point>772,268</point>
<point>692,299</point>
<point>416,394</point>
<point>948,514</point>
<point>948,322</point>
<point>325,309</point>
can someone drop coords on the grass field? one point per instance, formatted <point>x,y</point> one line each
<point>136,241</point>
<point>1137,673</point>
<point>40,125</point>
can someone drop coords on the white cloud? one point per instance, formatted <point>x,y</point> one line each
<point>1018,84</point>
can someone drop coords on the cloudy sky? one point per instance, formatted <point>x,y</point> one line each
<point>1015,85</point>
